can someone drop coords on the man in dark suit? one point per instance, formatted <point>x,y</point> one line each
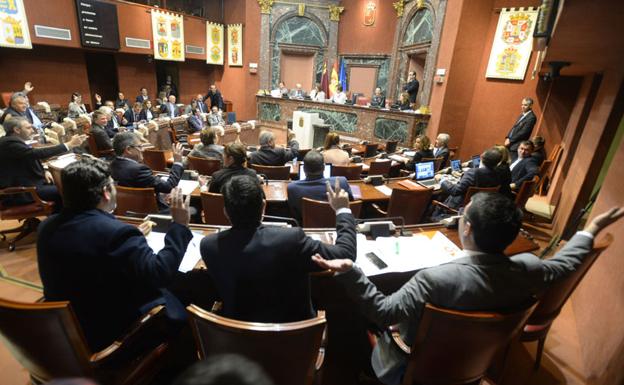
<point>200,105</point>
<point>521,130</point>
<point>21,164</point>
<point>143,96</point>
<point>216,99</point>
<point>484,280</point>
<point>440,148</point>
<point>170,108</point>
<point>411,87</point>
<point>98,131</point>
<point>261,272</point>
<point>525,167</point>
<point>195,121</point>
<point>102,266</point>
<point>483,176</point>
<point>128,170</point>
<point>269,155</point>
<point>314,186</point>
<point>133,115</point>
<point>121,101</point>
<point>539,152</point>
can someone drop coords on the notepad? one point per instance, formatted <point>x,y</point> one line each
<point>384,189</point>
<point>355,190</point>
<point>188,186</point>
<point>156,241</point>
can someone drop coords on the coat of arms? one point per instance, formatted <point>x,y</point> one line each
<point>517,28</point>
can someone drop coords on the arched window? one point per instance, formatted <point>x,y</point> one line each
<point>419,29</point>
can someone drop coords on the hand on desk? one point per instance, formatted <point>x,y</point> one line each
<point>337,265</point>
<point>605,219</point>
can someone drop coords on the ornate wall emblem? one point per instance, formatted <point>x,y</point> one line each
<point>334,12</point>
<point>265,6</point>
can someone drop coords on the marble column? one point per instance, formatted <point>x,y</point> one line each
<point>265,51</point>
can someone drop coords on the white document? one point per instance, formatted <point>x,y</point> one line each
<point>409,153</point>
<point>188,186</point>
<point>156,241</point>
<point>384,189</point>
<point>402,254</point>
<point>63,161</point>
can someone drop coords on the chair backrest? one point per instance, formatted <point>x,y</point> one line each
<point>302,153</point>
<point>409,204</point>
<point>362,100</point>
<point>155,159</point>
<point>273,172</point>
<point>93,149</point>
<point>391,146</point>
<point>551,302</point>
<point>544,168</point>
<point>45,338</point>
<point>137,200</point>
<point>349,172</point>
<point>204,166</point>
<point>472,190</point>
<point>437,162</point>
<point>380,167</point>
<point>212,206</point>
<point>527,188</point>
<point>457,347</point>
<point>371,150</point>
<point>287,352</point>
<point>319,214</point>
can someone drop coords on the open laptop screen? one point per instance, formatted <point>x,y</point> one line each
<point>456,165</point>
<point>476,161</point>
<point>326,171</point>
<point>424,170</point>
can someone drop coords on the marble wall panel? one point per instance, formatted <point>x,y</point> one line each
<point>338,120</point>
<point>420,28</point>
<point>390,129</point>
<point>270,111</point>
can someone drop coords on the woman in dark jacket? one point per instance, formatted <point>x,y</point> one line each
<point>422,148</point>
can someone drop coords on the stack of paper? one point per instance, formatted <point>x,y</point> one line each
<point>156,241</point>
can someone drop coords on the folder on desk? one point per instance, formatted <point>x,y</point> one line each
<point>355,190</point>
<point>408,184</point>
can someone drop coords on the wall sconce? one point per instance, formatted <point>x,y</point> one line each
<point>440,75</point>
<point>369,13</point>
<point>253,68</point>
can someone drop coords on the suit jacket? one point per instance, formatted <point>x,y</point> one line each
<point>215,99</point>
<point>215,119</point>
<point>202,106</point>
<point>477,282</point>
<point>474,177</point>
<point>442,152</point>
<point>21,164</point>
<point>312,189</point>
<point>524,170</point>
<point>166,108</point>
<point>130,173</point>
<point>143,115</point>
<point>417,158</point>
<point>105,269</point>
<point>521,131</point>
<point>261,273</point>
<point>110,128</point>
<point>195,124</point>
<point>129,116</point>
<point>122,103</point>
<point>141,98</point>
<point>268,156</point>
<point>221,177</point>
<point>504,176</point>
<point>74,110</point>
<point>378,101</point>
<point>539,156</point>
<point>412,89</point>
<point>102,140</point>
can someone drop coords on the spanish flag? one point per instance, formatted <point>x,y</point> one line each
<point>333,83</point>
<point>325,80</point>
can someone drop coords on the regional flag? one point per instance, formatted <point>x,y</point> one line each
<point>333,83</point>
<point>325,80</point>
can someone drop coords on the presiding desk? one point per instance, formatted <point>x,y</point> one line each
<point>357,122</point>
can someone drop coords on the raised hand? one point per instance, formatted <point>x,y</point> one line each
<point>605,219</point>
<point>98,98</point>
<point>338,265</point>
<point>76,141</point>
<point>28,87</point>
<point>337,197</point>
<point>177,152</point>
<point>180,207</point>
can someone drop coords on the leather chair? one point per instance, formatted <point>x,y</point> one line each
<point>370,150</point>
<point>204,166</point>
<point>46,339</point>
<point>409,204</point>
<point>472,190</point>
<point>350,172</point>
<point>543,173</point>
<point>437,162</point>
<point>26,213</point>
<point>551,302</point>
<point>527,188</point>
<point>555,157</point>
<point>380,167</point>
<point>319,214</point>
<point>273,172</point>
<point>391,146</point>
<point>136,200</point>
<point>458,347</point>
<point>95,151</point>
<point>302,153</point>
<point>155,159</point>
<point>362,100</point>
<point>212,206</point>
<point>290,353</point>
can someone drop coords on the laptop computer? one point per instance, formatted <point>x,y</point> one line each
<point>476,161</point>
<point>424,174</point>
<point>326,171</point>
<point>456,165</point>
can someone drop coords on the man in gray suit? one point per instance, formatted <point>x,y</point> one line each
<point>483,279</point>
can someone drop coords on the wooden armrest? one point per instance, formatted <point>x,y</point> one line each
<point>379,210</point>
<point>447,208</point>
<point>26,190</point>
<point>141,328</point>
<point>396,336</point>
<point>320,358</point>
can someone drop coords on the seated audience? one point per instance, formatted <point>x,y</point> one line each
<point>314,185</point>
<point>484,176</point>
<point>76,107</point>
<point>332,153</point>
<point>298,92</point>
<point>378,100</point>
<point>339,97</point>
<point>539,152</point>
<point>283,90</point>
<point>262,272</point>
<point>503,171</point>
<point>208,148</point>
<point>234,158</point>
<point>19,108</point>
<point>525,167</point>
<point>195,121</point>
<point>317,94</point>
<point>98,131</point>
<point>269,155</point>
<point>440,148</point>
<point>132,117</point>
<point>143,96</point>
<point>404,102</point>
<point>128,170</point>
<point>22,164</point>
<point>113,124</point>
<point>485,279</point>
<point>422,148</point>
<point>215,117</point>
<point>216,99</point>
<point>199,99</point>
<point>122,102</point>
<point>170,108</point>
<point>146,111</point>
<point>168,88</point>
<point>102,266</point>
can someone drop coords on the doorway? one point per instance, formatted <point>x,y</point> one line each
<point>102,75</point>
<point>163,70</point>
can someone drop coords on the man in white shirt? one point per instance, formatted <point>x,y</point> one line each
<point>339,97</point>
